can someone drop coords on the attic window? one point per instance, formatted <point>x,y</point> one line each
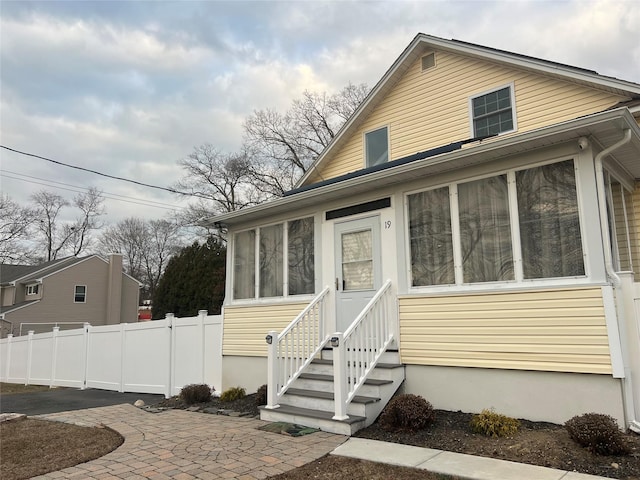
<point>377,146</point>
<point>493,112</point>
<point>32,289</point>
<point>428,61</point>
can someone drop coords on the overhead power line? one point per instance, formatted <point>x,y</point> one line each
<point>78,189</point>
<point>166,189</point>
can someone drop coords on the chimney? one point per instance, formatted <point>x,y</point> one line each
<point>114,289</point>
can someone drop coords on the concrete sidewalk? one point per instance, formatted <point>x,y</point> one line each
<point>450,463</point>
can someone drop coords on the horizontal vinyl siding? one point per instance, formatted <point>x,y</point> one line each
<point>635,227</point>
<point>552,330</point>
<point>245,328</point>
<point>430,109</point>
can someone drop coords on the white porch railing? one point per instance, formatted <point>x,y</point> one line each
<point>292,350</point>
<point>357,351</point>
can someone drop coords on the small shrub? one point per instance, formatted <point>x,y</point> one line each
<point>261,395</point>
<point>407,412</point>
<point>195,393</point>
<point>233,393</point>
<point>493,424</point>
<point>597,432</point>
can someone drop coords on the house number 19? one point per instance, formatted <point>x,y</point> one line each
<point>387,224</point>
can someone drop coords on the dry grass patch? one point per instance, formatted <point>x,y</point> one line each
<point>34,447</point>
<point>9,388</point>
<point>332,467</point>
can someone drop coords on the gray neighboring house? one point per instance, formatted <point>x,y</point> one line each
<point>67,291</point>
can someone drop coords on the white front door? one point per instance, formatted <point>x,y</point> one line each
<point>357,268</point>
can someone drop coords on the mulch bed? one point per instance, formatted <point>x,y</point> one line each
<point>536,443</point>
<point>245,407</point>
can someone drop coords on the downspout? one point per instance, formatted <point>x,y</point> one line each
<point>627,391</point>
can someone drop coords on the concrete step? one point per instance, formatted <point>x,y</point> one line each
<point>383,371</point>
<point>317,381</point>
<point>324,401</point>
<point>388,356</point>
<point>313,418</point>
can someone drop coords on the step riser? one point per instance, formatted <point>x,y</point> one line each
<point>377,374</point>
<point>324,425</point>
<point>322,404</point>
<point>324,386</point>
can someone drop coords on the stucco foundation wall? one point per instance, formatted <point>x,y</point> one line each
<point>539,396</point>
<point>247,372</point>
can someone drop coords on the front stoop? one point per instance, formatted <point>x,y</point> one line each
<point>310,400</point>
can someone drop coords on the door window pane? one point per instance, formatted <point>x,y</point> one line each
<point>271,258</point>
<point>244,265</point>
<point>485,232</point>
<point>430,238</point>
<point>549,221</point>
<point>357,260</point>
<point>301,257</point>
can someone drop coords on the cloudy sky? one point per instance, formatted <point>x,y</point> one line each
<point>128,88</point>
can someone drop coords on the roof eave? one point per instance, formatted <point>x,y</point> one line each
<point>308,196</point>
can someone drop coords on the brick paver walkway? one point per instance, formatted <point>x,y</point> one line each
<point>189,445</point>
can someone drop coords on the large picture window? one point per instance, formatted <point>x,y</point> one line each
<point>278,274</point>
<point>470,238</point>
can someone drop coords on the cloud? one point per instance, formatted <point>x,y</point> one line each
<point>128,88</point>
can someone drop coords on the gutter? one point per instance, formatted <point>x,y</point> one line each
<point>628,399</point>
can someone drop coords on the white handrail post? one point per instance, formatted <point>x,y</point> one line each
<point>272,369</point>
<point>339,376</point>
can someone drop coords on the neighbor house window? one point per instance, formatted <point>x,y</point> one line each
<point>279,274</point>
<point>492,113</point>
<point>32,289</point>
<point>80,294</point>
<point>468,237</point>
<point>377,147</point>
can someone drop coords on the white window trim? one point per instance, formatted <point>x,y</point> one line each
<point>29,289</point>
<point>519,281</point>
<point>364,143</point>
<point>74,293</point>
<point>514,115</point>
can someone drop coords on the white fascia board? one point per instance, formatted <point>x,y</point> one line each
<point>622,114</point>
<point>20,307</point>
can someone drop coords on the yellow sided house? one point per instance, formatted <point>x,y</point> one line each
<point>471,234</point>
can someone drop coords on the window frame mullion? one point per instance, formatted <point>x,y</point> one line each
<point>455,234</point>
<point>514,218</point>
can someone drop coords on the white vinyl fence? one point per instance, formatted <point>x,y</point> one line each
<point>150,357</point>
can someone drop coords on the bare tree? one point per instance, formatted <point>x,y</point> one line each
<point>65,237</point>
<point>283,145</point>
<point>162,241</point>
<point>126,237</point>
<point>146,247</point>
<point>15,222</point>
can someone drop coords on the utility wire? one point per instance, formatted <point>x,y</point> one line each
<point>79,188</point>
<point>106,196</point>
<point>171,190</point>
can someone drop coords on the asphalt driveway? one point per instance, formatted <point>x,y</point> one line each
<point>67,399</point>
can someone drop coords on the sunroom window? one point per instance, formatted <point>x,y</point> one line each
<point>278,274</point>
<point>622,228</point>
<point>492,113</point>
<point>464,233</point>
